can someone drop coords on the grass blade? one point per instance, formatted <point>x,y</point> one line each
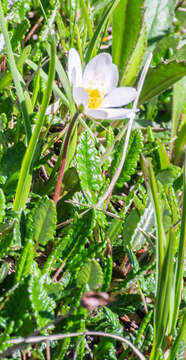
<point>24,182</point>
<point>180,259</point>
<point>15,75</point>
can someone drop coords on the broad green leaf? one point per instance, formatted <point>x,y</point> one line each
<point>42,305</point>
<point>134,63</point>
<point>180,143</point>
<point>24,265</point>
<point>132,157</point>
<point>90,274</point>
<point>2,205</point>
<point>166,45</point>
<point>179,98</point>
<point>161,78</point>
<point>88,167</point>
<point>159,17</point>
<point>127,25</point>
<point>44,221</point>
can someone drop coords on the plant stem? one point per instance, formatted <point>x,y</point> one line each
<point>37,339</point>
<point>129,129</point>
<point>63,160</point>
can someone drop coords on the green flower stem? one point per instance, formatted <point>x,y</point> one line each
<point>15,75</point>
<point>25,177</point>
<point>64,157</point>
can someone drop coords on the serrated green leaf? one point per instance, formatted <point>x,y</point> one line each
<point>132,157</point>
<point>90,274</point>
<point>126,303</point>
<point>110,321</point>
<point>4,269</point>
<point>5,243</point>
<point>19,33</point>
<point>10,166</point>
<point>88,167</point>
<point>161,78</point>
<point>44,221</point>
<point>107,273</point>
<point>105,350</point>
<point>42,305</point>
<point>23,267</point>
<point>6,336</point>
<point>2,205</point>
<point>127,24</point>
<point>18,305</point>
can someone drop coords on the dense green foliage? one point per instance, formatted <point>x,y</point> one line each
<point>82,263</point>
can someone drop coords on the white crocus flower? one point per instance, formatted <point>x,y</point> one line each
<point>96,88</point>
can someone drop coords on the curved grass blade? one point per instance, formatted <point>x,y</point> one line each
<point>100,28</point>
<point>25,176</point>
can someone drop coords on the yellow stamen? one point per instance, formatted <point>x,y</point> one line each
<point>94,98</point>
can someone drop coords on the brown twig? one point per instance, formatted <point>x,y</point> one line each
<point>63,160</point>
<point>32,31</point>
<point>37,339</point>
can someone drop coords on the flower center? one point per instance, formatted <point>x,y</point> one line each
<point>94,98</point>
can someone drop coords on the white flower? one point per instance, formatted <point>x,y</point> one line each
<point>96,88</point>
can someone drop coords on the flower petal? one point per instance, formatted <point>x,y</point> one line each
<point>119,97</point>
<point>100,73</point>
<point>96,113</point>
<point>118,114</point>
<point>80,96</point>
<point>74,68</point>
